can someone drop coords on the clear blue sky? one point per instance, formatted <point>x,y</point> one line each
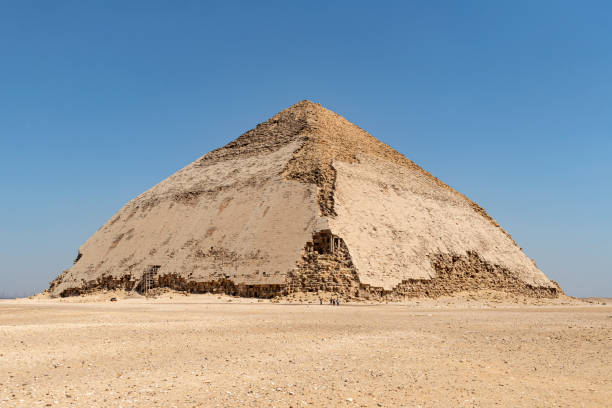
<point>510,102</point>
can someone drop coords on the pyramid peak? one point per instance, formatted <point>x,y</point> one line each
<point>306,102</point>
<point>310,114</point>
<point>307,107</point>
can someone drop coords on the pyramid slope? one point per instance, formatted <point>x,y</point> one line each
<point>249,218</point>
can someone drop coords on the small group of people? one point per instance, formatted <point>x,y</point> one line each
<point>332,301</point>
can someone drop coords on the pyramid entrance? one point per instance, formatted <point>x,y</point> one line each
<point>323,242</point>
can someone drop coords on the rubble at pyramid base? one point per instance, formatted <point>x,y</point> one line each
<point>333,272</point>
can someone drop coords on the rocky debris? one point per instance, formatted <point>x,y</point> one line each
<point>335,272</point>
<point>326,272</point>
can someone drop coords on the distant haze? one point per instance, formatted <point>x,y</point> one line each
<point>508,102</point>
<point>13,295</point>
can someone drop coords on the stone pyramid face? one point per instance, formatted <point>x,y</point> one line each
<point>306,201</point>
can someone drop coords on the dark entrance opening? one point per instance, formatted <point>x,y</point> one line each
<point>324,242</point>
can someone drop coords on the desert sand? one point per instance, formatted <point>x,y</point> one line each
<point>219,351</point>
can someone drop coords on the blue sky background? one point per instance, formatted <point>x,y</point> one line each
<point>508,102</point>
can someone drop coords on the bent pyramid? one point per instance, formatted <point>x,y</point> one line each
<point>306,201</point>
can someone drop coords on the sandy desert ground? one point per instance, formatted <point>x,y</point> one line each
<point>205,351</point>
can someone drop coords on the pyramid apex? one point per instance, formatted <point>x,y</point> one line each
<point>306,104</point>
<point>306,109</point>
